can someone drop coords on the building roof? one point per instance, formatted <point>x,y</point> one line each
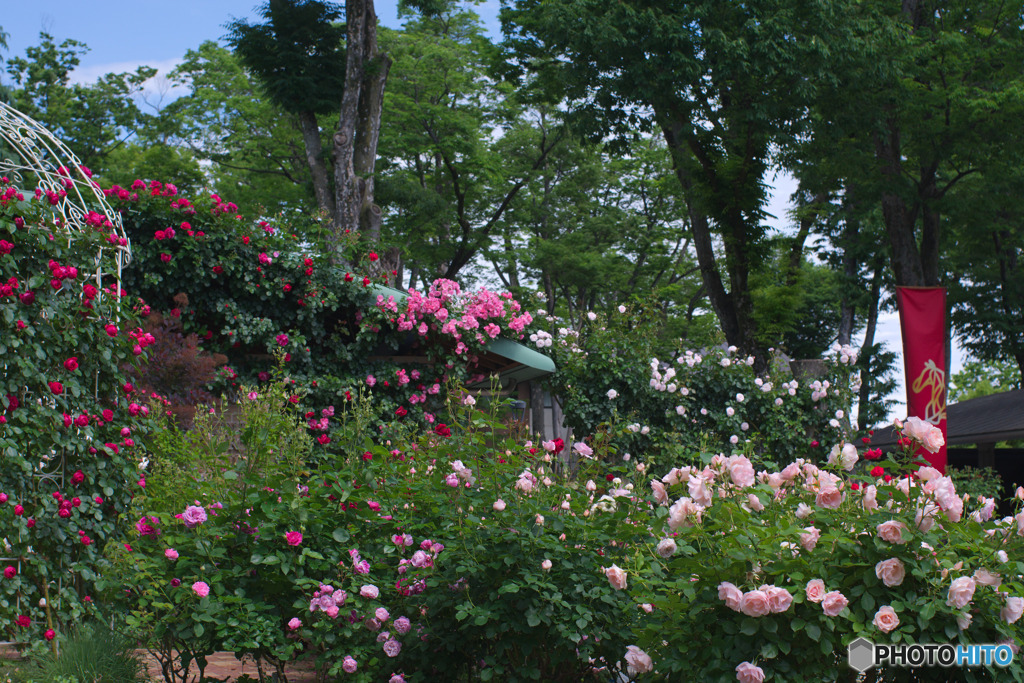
<point>986,419</point>
<point>511,361</point>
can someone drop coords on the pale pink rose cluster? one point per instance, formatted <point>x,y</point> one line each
<point>928,435</point>
<point>768,599</point>
<point>684,513</point>
<point>832,602</point>
<point>941,489</point>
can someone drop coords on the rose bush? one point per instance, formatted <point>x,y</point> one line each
<point>71,427</point>
<point>711,400</point>
<point>781,572</point>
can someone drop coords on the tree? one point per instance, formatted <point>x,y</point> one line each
<point>458,147</point>
<point>255,147</point>
<point>725,84</point>
<point>298,57</point>
<point>93,119</point>
<point>308,26</point>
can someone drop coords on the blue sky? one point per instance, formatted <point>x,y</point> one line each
<point>122,35</point>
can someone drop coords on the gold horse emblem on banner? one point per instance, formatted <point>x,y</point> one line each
<point>932,378</point>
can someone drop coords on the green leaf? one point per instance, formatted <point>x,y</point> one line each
<point>813,631</point>
<point>341,535</point>
<point>198,630</point>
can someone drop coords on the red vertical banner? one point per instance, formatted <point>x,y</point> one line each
<point>923,327</point>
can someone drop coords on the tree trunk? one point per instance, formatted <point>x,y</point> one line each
<point>315,160</point>
<point>864,393</point>
<point>355,141</point>
<point>733,308</point>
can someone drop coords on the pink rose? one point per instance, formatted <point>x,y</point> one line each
<point>201,588</point>
<point>833,603</point>
<point>929,435</point>
<point>171,554</point>
<point>1013,610</point>
<point>755,604</point>
<point>892,531</point>
<point>369,591</point>
<point>815,590</point>
<point>349,665</point>
<point>731,595</point>
<point>961,591</point>
<point>870,499</point>
<point>616,577</point>
<point>984,577</point>
<point>809,538</point>
<point>294,624</point>
<point>891,572</point>
<point>638,661</point>
<point>885,619</point>
<point>741,471</point>
<point>293,537</point>
<point>748,673</point>
<point>660,492</point>
<point>829,497</point>
<point>779,599</point>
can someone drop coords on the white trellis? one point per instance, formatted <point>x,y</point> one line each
<point>33,157</point>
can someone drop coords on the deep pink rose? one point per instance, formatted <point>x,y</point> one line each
<point>293,537</point>
<point>201,588</point>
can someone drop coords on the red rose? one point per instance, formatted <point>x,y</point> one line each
<point>28,298</point>
<point>166,258</point>
<point>559,446</point>
<point>56,388</point>
<point>400,411</point>
<point>442,430</point>
<point>218,270</point>
<point>348,277</point>
<point>23,621</point>
<point>373,256</point>
<point>71,364</point>
<point>111,330</point>
<point>108,415</point>
<point>245,240</point>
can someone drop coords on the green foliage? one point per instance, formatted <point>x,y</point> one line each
<point>983,378</point>
<point>91,119</point>
<point>255,148</point>
<point>977,481</point>
<point>298,55</point>
<point>93,652</point>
